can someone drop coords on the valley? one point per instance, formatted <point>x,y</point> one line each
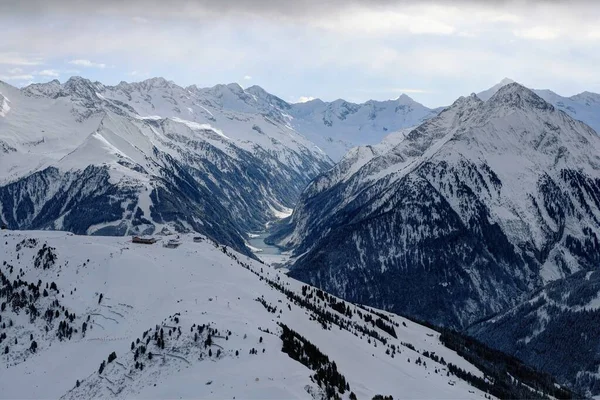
<point>299,200</point>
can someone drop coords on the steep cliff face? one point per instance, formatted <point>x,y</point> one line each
<point>463,217</point>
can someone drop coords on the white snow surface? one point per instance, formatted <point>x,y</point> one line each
<point>146,286</point>
<point>47,122</point>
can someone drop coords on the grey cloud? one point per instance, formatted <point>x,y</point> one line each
<point>274,8</point>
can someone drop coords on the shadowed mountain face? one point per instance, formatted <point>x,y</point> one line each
<point>556,330</point>
<point>462,218</point>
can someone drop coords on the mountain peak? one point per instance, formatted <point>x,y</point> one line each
<point>467,101</point>
<point>80,86</point>
<point>223,88</point>
<point>587,97</point>
<point>486,94</point>
<point>235,87</point>
<point>257,90</point>
<point>157,81</point>
<point>48,89</point>
<point>77,79</point>
<point>405,99</point>
<point>516,95</point>
<point>261,93</point>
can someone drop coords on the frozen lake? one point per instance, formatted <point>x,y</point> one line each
<point>259,243</point>
<point>270,254</point>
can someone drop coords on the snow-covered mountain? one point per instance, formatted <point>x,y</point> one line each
<point>337,126</point>
<point>464,217</point>
<point>142,157</point>
<point>340,125</point>
<point>101,317</point>
<point>584,106</point>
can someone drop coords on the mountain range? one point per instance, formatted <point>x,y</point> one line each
<point>459,219</point>
<point>482,217</point>
<point>145,157</point>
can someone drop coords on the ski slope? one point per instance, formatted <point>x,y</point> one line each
<point>148,287</point>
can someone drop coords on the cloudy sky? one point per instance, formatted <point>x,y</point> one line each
<point>434,51</point>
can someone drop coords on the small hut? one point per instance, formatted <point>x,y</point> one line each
<point>172,244</point>
<point>137,239</point>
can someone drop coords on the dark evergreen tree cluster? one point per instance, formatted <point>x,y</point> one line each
<point>501,370</point>
<point>340,306</point>
<point>22,295</point>
<point>64,331</point>
<point>434,357</point>
<point>303,351</point>
<point>270,308</point>
<point>45,257</point>
<point>386,327</point>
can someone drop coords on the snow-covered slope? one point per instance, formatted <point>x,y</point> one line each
<point>465,216</point>
<point>143,157</point>
<point>198,321</point>
<point>584,106</point>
